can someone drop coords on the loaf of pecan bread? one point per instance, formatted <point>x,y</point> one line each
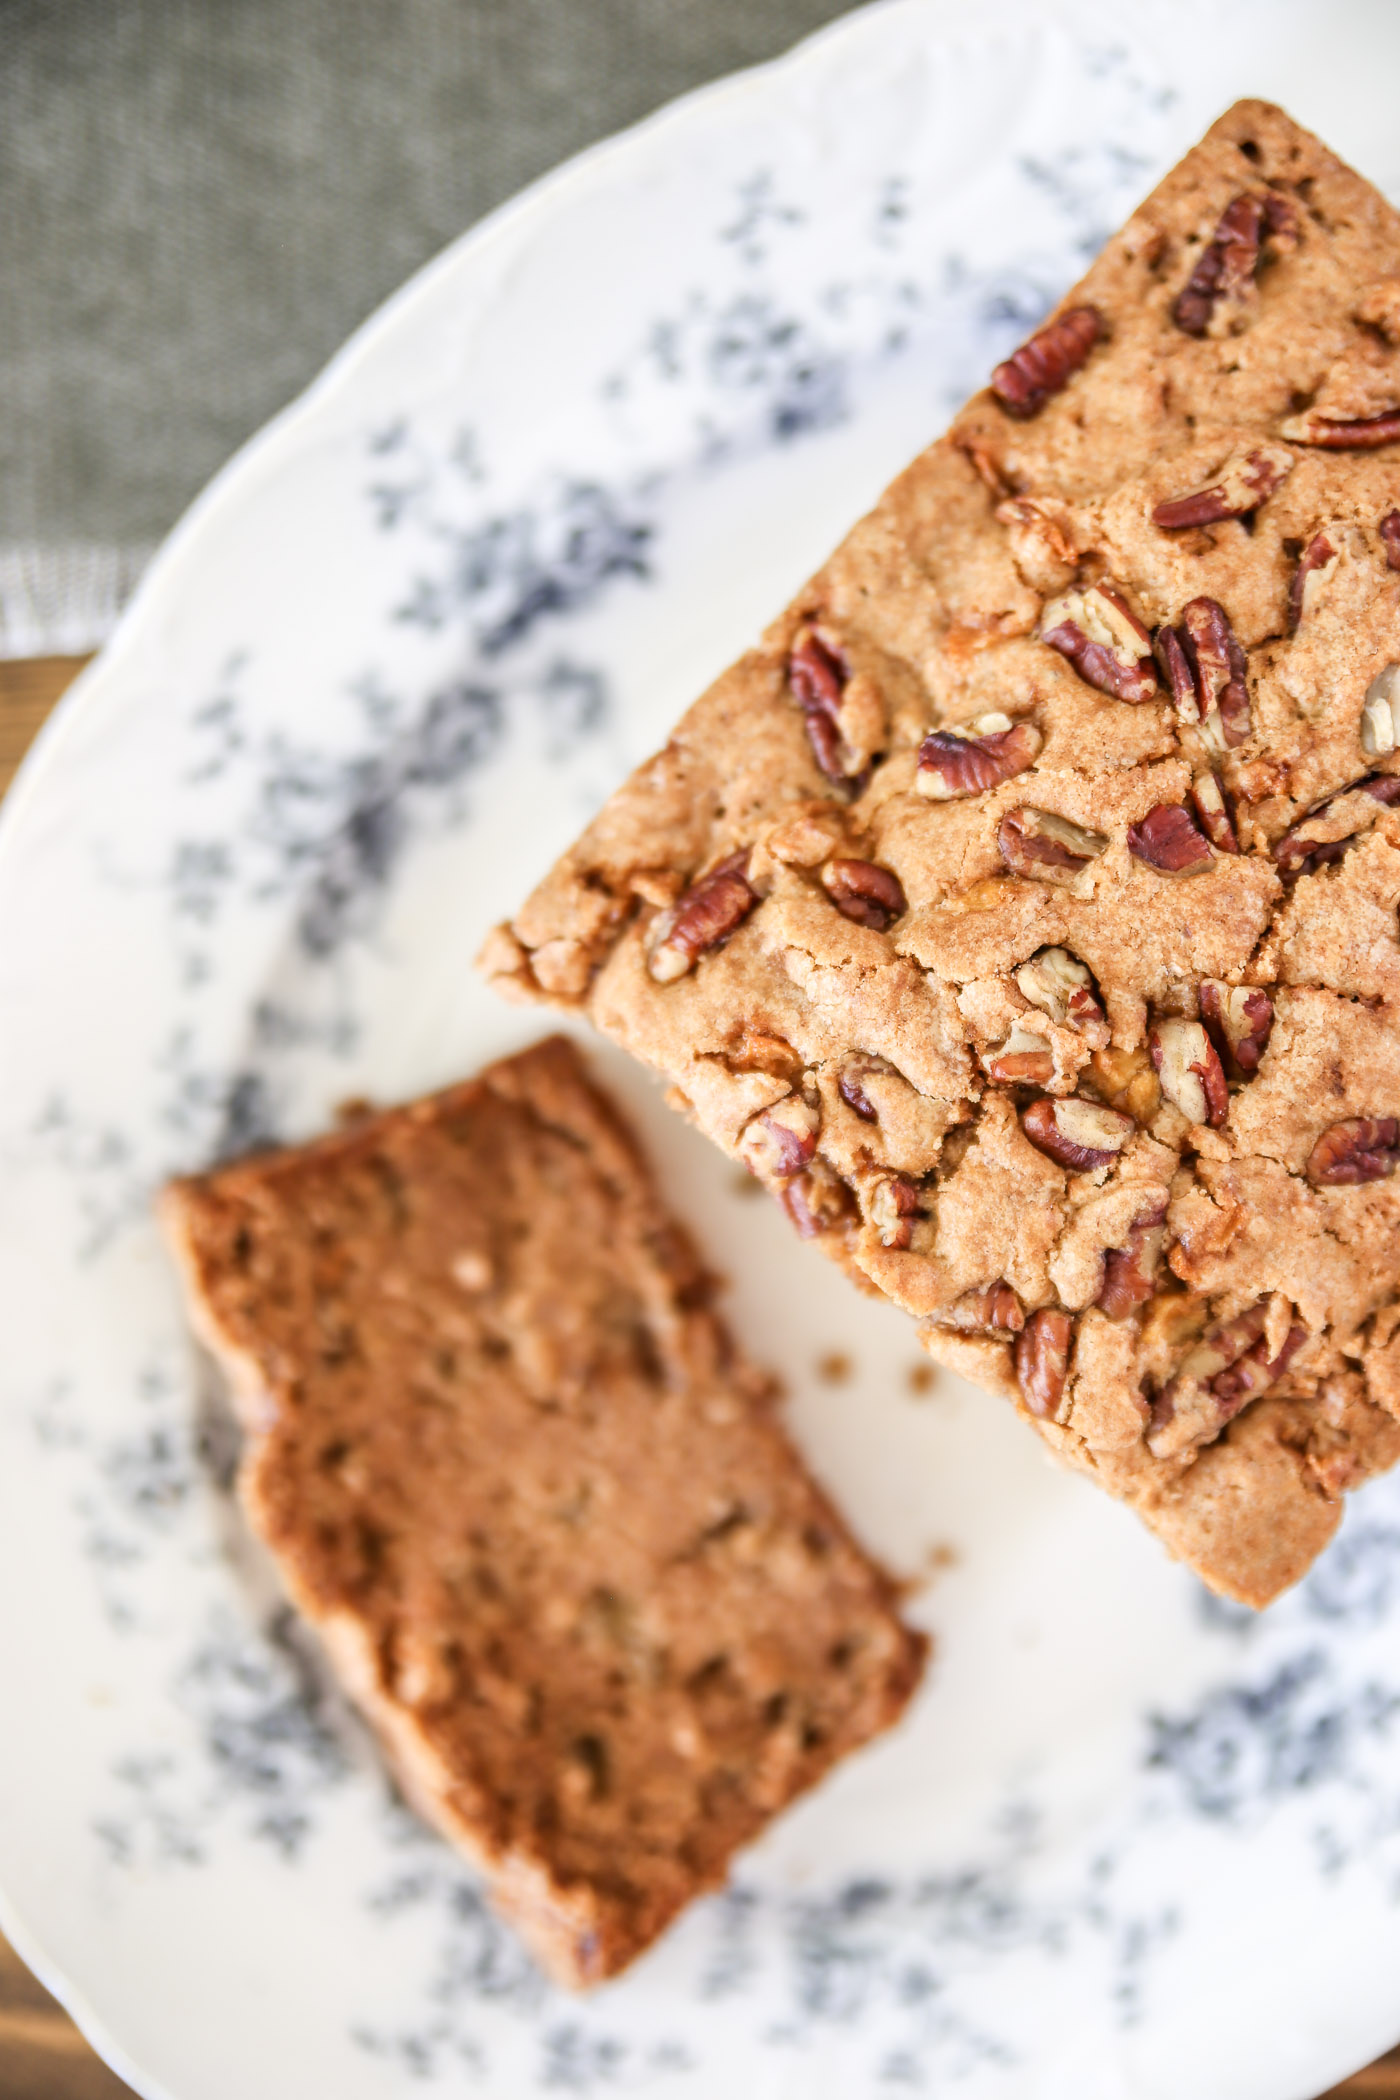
<point>1023,908</point>
<point>513,1470</point>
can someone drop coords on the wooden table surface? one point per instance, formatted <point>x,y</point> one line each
<point>42,2055</point>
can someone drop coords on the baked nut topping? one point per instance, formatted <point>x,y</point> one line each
<point>1333,434</point>
<point>1104,639</point>
<point>1228,1366</point>
<point>1023,1060</point>
<point>1317,565</point>
<point>870,895</point>
<point>1325,833</point>
<point>1390,538</point>
<point>1206,673</point>
<point>1130,1271</point>
<point>1191,1074</point>
<point>1213,813</point>
<point>782,1139</point>
<point>817,1200</point>
<point>1042,1360</point>
<point>1380,713</point>
<point>1059,985</point>
<point>1220,291</point>
<point>1042,545</point>
<point>1246,480</point>
<point>975,757</point>
<point>821,683</point>
<point>1238,1019</point>
<point>1360,1148</point>
<point>1170,840</point>
<point>996,1310</point>
<point>895,1207</point>
<point>1037,843</point>
<point>1078,1135</point>
<point>710,910</point>
<point>1038,370</point>
<point>851,1087</point>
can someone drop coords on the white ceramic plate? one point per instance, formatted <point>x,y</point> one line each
<point>1129,1843</point>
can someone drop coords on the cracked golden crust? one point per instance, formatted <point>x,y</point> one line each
<point>934,604</point>
<point>542,1514</point>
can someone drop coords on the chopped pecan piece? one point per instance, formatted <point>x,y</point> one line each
<point>996,1309</point>
<point>1213,813</point>
<point>1023,1060</point>
<point>1332,434</point>
<point>976,756</point>
<point>816,1200</point>
<point>1060,985</point>
<point>1329,827</point>
<point>782,1139</point>
<point>710,910</point>
<point>1238,1019</point>
<point>1317,565</point>
<point>1042,545</point>
<point>1227,1367</point>
<point>1050,848</point>
<point>1380,713</point>
<point>1038,370</point>
<point>818,675</point>
<point>1206,672</point>
<point>1216,298</point>
<point>870,895</point>
<point>1360,1148</point>
<point>1078,1135</point>
<point>896,1205</point>
<point>1189,1069</point>
<point>1170,840</point>
<point>1129,1271</point>
<point>851,1084</point>
<point>1104,639</point>
<point>1254,1372</point>
<point>1390,538</point>
<point>1246,480</point>
<point>1042,1360</point>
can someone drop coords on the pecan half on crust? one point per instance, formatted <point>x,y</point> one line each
<point>1213,813</point>
<point>1104,639</point>
<point>1042,1360</point>
<point>895,1206</point>
<point>1035,842</point>
<point>1060,985</point>
<point>1047,362</point>
<point>1360,1148</point>
<point>1331,826</point>
<point>1238,1019</point>
<point>818,675</point>
<point>1078,1135</point>
<point>817,1200</point>
<point>1170,840</point>
<point>862,891</point>
<point>1246,480</point>
<point>1024,1059</point>
<point>1189,1069</point>
<point>1380,713</point>
<point>1129,1271</point>
<point>1317,565</point>
<point>1207,673</point>
<point>711,909</point>
<point>1332,434</point>
<point>996,1310</point>
<point>974,757</point>
<point>1218,294</point>
<point>782,1139</point>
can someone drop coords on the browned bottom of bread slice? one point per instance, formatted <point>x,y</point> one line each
<point>540,1510</point>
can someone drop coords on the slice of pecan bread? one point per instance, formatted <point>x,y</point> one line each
<point>1023,908</point>
<point>541,1512</point>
